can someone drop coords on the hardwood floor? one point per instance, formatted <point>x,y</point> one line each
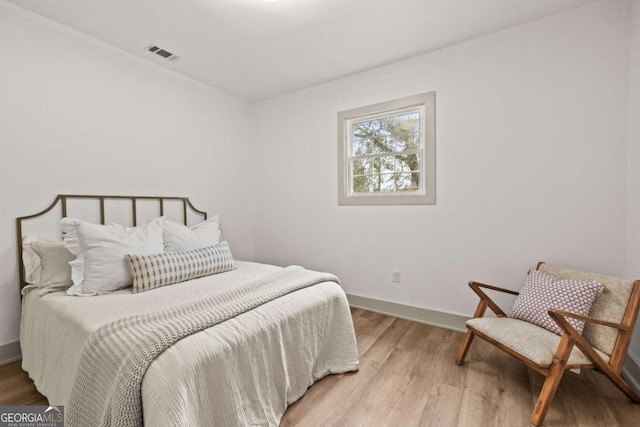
<point>16,388</point>
<point>408,377</point>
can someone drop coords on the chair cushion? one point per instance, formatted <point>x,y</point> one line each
<point>542,292</point>
<point>610,304</point>
<point>531,341</point>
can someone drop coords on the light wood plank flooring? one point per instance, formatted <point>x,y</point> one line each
<point>408,377</point>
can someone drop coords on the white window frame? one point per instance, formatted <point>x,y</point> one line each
<point>426,194</point>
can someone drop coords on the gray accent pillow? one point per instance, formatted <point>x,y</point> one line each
<point>542,292</point>
<point>54,264</point>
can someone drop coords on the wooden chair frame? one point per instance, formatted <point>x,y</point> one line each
<point>570,338</point>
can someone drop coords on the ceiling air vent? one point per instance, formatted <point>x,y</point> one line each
<point>163,53</point>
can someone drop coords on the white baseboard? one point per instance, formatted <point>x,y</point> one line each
<point>631,372</point>
<point>441,319</point>
<point>10,352</point>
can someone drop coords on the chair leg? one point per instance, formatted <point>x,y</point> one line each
<point>546,395</point>
<point>464,348</point>
<point>553,379</point>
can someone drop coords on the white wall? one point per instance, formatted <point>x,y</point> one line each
<point>78,116</point>
<point>531,154</point>
<point>633,188</point>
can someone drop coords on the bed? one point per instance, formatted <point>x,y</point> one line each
<point>240,372</point>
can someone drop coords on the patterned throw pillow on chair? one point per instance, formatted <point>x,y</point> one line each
<point>542,292</point>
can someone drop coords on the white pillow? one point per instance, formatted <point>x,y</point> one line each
<point>100,266</point>
<point>178,237</point>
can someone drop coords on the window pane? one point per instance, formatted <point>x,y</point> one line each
<point>390,144</point>
<point>386,164</point>
<point>387,126</point>
<point>385,182</point>
<point>359,132</point>
<point>408,181</point>
<point>401,164</point>
<point>408,122</point>
<point>361,184</point>
<point>362,146</point>
<point>415,180</point>
<point>386,134</point>
<point>381,145</point>
<point>373,183</point>
<point>376,139</point>
<point>373,145</point>
<point>379,127</point>
<point>366,129</point>
<point>362,166</point>
<point>413,161</point>
<point>408,141</point>
<point>408,163</point>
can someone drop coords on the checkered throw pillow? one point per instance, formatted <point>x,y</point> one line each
<point>542,292</point>
<point>157,270</point>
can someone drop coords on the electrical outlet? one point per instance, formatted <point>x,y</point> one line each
<point>395,276</point>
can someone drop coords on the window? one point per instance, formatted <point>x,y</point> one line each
<point>387,153</point>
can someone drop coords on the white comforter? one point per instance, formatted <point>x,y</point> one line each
<point>244,371</point>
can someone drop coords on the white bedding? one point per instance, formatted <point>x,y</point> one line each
<point>218,377</point>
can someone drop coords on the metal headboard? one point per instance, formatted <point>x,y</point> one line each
<point>62,199</point>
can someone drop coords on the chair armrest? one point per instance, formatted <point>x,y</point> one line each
<point>587,319</point>
<point>568,331</point>
<point>486,300</point>
<point>587,349</point>
<point>493,288</point>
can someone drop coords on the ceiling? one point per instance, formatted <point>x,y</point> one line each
<point>257,49</point>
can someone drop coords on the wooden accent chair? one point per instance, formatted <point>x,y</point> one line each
<point>602,346</point>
